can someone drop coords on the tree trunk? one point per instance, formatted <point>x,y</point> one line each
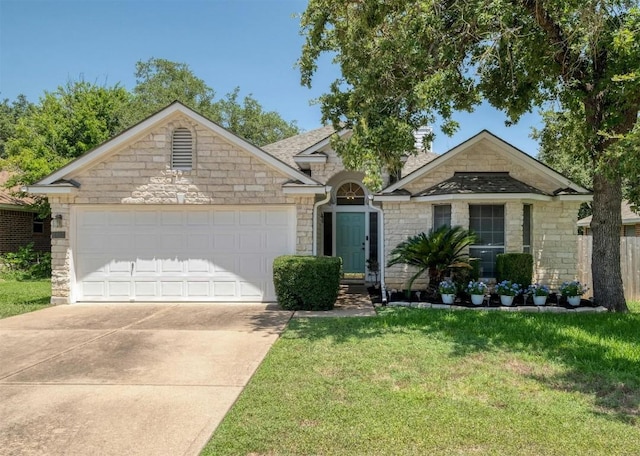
<point>605,225</point>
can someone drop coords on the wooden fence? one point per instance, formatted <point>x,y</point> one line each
<point>629,264</point>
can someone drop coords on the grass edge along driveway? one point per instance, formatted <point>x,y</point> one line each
<point>18,297</point>
<point>422,381</point>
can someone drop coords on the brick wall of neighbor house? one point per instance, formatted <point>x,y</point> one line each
<point>16,230</point>
<point>140,174</point>
<point>483,157</point>
<point>553,235</point>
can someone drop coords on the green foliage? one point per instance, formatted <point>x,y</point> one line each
<point>160,82</point>
<point>515,267</point>
<point>10,114</point>
<point>406,63</point>
<point>307,282</point>
<point>24,296</point>
<point>26,264</point>
<point>64,125</point>
<point>428,382</point>
<point>437,253</point>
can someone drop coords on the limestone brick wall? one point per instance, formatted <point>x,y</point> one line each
<point>553,236</point>
<point>401,220</point>
<point>483,157</point>
<point>140,173</point>
<point>554,242</point>
<point>61,253</point>
<point>513,220</point>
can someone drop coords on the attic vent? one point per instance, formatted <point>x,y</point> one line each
<point>182,149</point>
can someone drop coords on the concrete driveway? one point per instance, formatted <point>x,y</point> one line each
<point>126,378</point>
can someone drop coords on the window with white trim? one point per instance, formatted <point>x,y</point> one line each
<point>487,222</point>
<point>350,194</point>
<point>441,216</point>
<point>182,149</point>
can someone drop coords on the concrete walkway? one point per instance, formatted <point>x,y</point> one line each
<point>353,301</point>
<point>126,379</point>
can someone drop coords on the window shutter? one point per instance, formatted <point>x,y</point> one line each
<point>182,149</point>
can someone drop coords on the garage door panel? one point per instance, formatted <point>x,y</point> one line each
<point>250,242</point>
<point>144,265</point>
<point>225,263</point>
<point>224,242</point>
<point>155,253</point>
<point>146,289</point>
<point>169,265</point>
<point>171,218</point>
<point>171,288</point>
<point>199,289</point>
<point>195,265</point>
<point>145,242</point>
<point>222,289</point>
<point>119,289</point>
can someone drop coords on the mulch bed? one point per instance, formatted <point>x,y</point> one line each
<point>464,300</point>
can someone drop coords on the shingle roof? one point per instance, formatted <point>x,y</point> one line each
<point>629,216</point>
<point>6,194</point>
<point>417,161</point>
<point>286,148</point>
<point>463,182</point>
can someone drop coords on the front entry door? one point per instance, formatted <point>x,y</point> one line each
<point>350,240</point>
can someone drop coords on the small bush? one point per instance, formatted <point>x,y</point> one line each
<point>307,282</point>
<point>515,267</point>
<point>26,264</point>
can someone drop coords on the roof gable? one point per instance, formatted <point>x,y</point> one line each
<point>512,153</point>
<point>102,151</point>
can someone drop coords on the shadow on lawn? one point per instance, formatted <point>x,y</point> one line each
<point>600,352</point>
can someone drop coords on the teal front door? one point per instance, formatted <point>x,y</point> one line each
<point>350,240</point>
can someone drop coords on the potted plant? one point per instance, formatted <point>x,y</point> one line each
<point>477,291</point>
<point>507,291</point>
<point>572,291</point>
<point>448,291</point>
<point>539,293</point>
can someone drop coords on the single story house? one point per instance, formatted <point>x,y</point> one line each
<point>177,208</point>
<point>20,223</point>
<point>630,221</point>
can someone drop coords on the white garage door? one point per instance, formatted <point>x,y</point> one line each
<point>180,254</point>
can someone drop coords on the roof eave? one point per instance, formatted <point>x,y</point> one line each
<point>305,189</point>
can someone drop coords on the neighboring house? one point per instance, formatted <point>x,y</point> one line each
<point>19,222</point>
<point>179,209</point>
<point>630,221</point>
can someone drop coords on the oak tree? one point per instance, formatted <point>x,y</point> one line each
<point>405,62</point>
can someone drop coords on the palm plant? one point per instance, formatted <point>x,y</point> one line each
<point>437,253</point>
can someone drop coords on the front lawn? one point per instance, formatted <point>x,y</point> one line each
<point>21,297</point>
<point>416,382</point>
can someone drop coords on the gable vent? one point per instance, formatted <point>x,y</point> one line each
<point>182,149</point>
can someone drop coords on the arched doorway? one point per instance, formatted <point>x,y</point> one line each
<point>350,228</point>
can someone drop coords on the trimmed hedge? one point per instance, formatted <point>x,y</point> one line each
<point>307,282</point>
<point>515,267</point>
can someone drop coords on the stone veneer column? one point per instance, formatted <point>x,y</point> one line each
<point>61,261</point>
<point>460,214</point>
<point>513,219</point>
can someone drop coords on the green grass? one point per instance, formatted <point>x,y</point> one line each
<point>416,382</point>
<point>25,296</point>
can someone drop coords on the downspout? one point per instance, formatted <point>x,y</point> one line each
<point>314,228</point>
<point>383,289</point>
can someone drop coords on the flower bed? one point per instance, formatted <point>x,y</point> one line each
<point>464,300</point>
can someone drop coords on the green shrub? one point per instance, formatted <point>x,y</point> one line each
<point>307,282</point>
<point>26,264</point>
<point>515,267</point>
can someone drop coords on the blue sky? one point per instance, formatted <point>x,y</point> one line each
<point>253,44</point>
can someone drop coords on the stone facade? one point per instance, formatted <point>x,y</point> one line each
<point>553,235</point>
<point>140,173</point>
